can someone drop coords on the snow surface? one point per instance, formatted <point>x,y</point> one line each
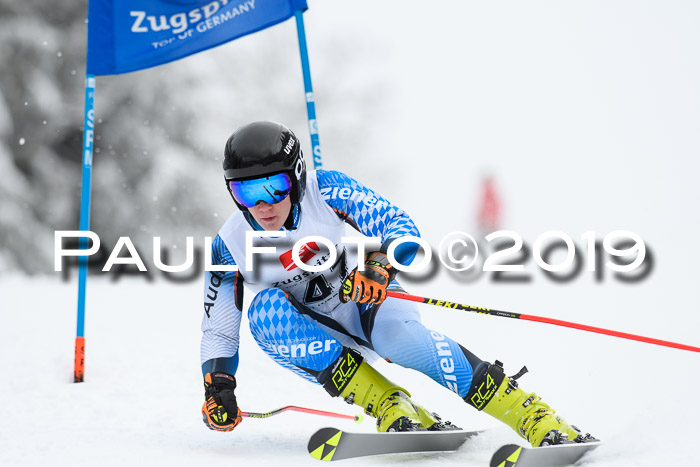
<point>586,113</point>
<point>142,396</point>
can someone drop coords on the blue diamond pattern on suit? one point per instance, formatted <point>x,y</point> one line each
<point>286,335</point>
<point>372,214</point>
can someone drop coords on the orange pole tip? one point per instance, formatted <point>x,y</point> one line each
<point>79,365</point>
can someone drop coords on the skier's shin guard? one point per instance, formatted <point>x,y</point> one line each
<point>500,397</point>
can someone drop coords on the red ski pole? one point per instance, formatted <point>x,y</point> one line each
<point>356,418</point>
<point>540,319</point>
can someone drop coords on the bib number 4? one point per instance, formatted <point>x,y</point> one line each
<point>317,289</point>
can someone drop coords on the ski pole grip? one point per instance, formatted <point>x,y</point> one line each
<point>345,290</point>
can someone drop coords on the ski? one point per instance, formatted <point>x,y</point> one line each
<point>332,444</point>
<point>513,455</point>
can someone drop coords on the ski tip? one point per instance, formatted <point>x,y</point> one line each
<point>323,443</point>
<point>506,456</point>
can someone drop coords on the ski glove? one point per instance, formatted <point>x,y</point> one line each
<point>220,411</point>
<point>369,286</point>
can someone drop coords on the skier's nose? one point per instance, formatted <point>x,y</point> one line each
<point>263,206</point>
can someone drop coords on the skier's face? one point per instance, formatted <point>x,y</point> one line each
<point>271,216</point>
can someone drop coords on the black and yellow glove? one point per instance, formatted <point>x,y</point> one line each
<point>369,286</point>
<point>220,411</point>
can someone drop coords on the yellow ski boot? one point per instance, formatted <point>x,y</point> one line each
<point>500,397</point>
<point>357,382</point>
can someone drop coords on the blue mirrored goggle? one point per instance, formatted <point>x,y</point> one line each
<point>271,190</point>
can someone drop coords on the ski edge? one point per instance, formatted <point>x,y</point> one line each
<point>508,455</point>
<point>326,444</point>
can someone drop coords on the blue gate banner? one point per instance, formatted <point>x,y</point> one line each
<point>129,35</point>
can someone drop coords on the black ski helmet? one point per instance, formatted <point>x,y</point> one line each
<point>265,148</point>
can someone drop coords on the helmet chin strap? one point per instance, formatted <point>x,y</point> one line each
<point>293,217</point>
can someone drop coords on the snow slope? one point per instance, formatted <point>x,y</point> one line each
<point>141,399</point>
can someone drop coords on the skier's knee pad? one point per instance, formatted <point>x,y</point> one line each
<point>288,337</point>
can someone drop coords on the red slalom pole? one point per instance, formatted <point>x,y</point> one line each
<point>356,418</point>
<point>540,319</point>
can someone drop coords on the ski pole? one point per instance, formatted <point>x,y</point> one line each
<point>540,319</point>
<point>357,418</point>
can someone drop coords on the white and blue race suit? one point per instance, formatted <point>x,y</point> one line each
<point>296,316</point>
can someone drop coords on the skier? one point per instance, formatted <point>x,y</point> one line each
<point>325,325</point>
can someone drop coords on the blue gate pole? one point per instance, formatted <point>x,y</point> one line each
<point>88,138</point>
<point>310,106</point>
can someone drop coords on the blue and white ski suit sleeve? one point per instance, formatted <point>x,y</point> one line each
<point>223,307</point>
